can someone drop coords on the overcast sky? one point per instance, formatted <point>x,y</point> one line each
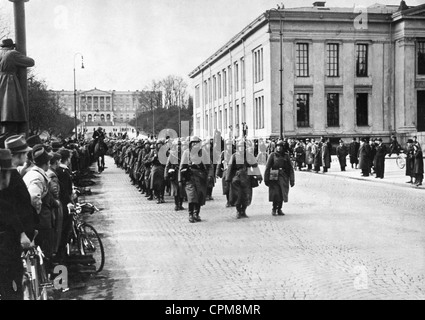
<point>128,43</point>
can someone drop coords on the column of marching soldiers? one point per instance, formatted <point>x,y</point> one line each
<point>168,166</point>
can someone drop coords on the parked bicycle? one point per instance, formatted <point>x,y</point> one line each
<point>35,281</point>
<point>84,239</point>
<point>401,160</point>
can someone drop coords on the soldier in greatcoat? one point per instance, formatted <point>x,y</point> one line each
<point>279,189</point>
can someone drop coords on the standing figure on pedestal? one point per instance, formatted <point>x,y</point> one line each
<point>13,115</point>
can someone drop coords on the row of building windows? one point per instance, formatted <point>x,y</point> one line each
<point>332,110</point>
<point>332,59</point>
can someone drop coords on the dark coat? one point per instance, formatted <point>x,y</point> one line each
<point>379,160</point>
<point>221,170</point>
<point>157,172</point>
<point>241,168</point>
<point>317,149</point>
<point>195,175</point>
<point>364,153</point>
<point>342,152</point>
<point>418,167</point>
<point>326,156</point>
<point>410,161</point>
<point>354,152</point>
<point>171,173</point>
<point>279,190</point>
<point>12,107</point>
<point>65,192</point>
<point>10,230</point>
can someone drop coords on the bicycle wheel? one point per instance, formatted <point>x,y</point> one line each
<point>401,162</point>
<point>90,243</point>
<point>27,288</point>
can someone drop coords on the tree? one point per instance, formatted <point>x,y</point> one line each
<point>45,114</point>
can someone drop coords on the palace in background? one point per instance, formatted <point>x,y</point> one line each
<point>345,72</point>
<point>111,110</point>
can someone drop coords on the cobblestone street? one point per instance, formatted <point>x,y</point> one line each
<point>340,239</point>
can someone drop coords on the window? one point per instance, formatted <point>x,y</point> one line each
<point>230,79</point>
<point>333,110</point>
<point>205,92</point>
<point>230,114</point>
<point>197,97</point>
<point>259,113</point>
<point>302,60</point>
<point>206,120</point>
<point>220,119</point>
<point>303,109</point>
<point>361,60</point>
<point>225,83</point>
<point>236,77</point>
<point>219,85</point>
<point>243,73</point>
<point>209,90</point>
<point>237,116</point>
<point>225,117</point>
<point>258,65</point>
<point>214,88</point>
<point>362,109</point>
<point>421,57</point>
<point>332,65</point>
<point>243,112</point>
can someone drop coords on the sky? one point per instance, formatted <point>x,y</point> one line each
<point>128,43</point>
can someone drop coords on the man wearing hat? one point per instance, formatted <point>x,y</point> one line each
<point>364,154</point>
<point>18,192</point>
<point>42,200</point>
<point>12,235</point>
<point>13,115</point>
<point>342,152</point>
<point>379,159</point>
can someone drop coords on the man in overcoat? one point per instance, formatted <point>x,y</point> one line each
<point>364,152</point>
<point>379,159</point>
<point>13,115</point>
<point>354,153</point>
<point>418,167</point>
<point>342,152</point>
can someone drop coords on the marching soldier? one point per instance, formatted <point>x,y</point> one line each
<point>171,175</point>
<point>195,171</point>
<point>242,169</point>
<point>221,170</point>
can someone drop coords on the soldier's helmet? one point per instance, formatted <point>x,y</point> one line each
<point>195,139</point>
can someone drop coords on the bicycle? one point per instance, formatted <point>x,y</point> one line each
<point>84,239</point>
<point>35,281</point>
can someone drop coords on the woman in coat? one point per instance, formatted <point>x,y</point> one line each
<point>171,175</point>
<point>243,167</point>
<point>279,189</point>
<point>195,172</point>
<point>54,188</point>
<point>418,167</point>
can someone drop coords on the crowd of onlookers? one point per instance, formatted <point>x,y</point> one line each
<point>36,196</point>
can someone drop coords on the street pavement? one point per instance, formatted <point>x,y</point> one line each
<point>343,237</point>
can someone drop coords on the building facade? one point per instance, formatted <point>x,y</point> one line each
<point>317,71</point>
<point>112,110</point>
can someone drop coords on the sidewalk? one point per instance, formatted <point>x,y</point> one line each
<point>393,174</point>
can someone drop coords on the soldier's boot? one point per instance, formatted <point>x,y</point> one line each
<point>238,212</point>
<point>176,202</point>
<point>150,195</point>
<point>181,204</point>
<point>196,213</point>
<point>191,217</point>
<point>279,210</point>
<point>243,212</point>
<point>274,210</point>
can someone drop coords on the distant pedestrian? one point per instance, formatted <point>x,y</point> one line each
<point>379,159</point>
<point>410,161</point>
<point>309,157</point>
<point>317,152</point>
<point>354,153</point>
<point>326,155</point>
<point>342,152</point>
<point>418,167</point>
<point>364,152</point>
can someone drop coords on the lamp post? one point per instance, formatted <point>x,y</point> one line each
<point>281,66</point>
<point>75,94</point>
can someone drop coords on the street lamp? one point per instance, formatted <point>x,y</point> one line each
<point>281,65</point>
<point>75,94</point>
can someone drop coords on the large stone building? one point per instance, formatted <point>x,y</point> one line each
<point>345,72</point>
<point>112,110</point>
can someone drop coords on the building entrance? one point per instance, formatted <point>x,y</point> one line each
<point>421,111</point>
